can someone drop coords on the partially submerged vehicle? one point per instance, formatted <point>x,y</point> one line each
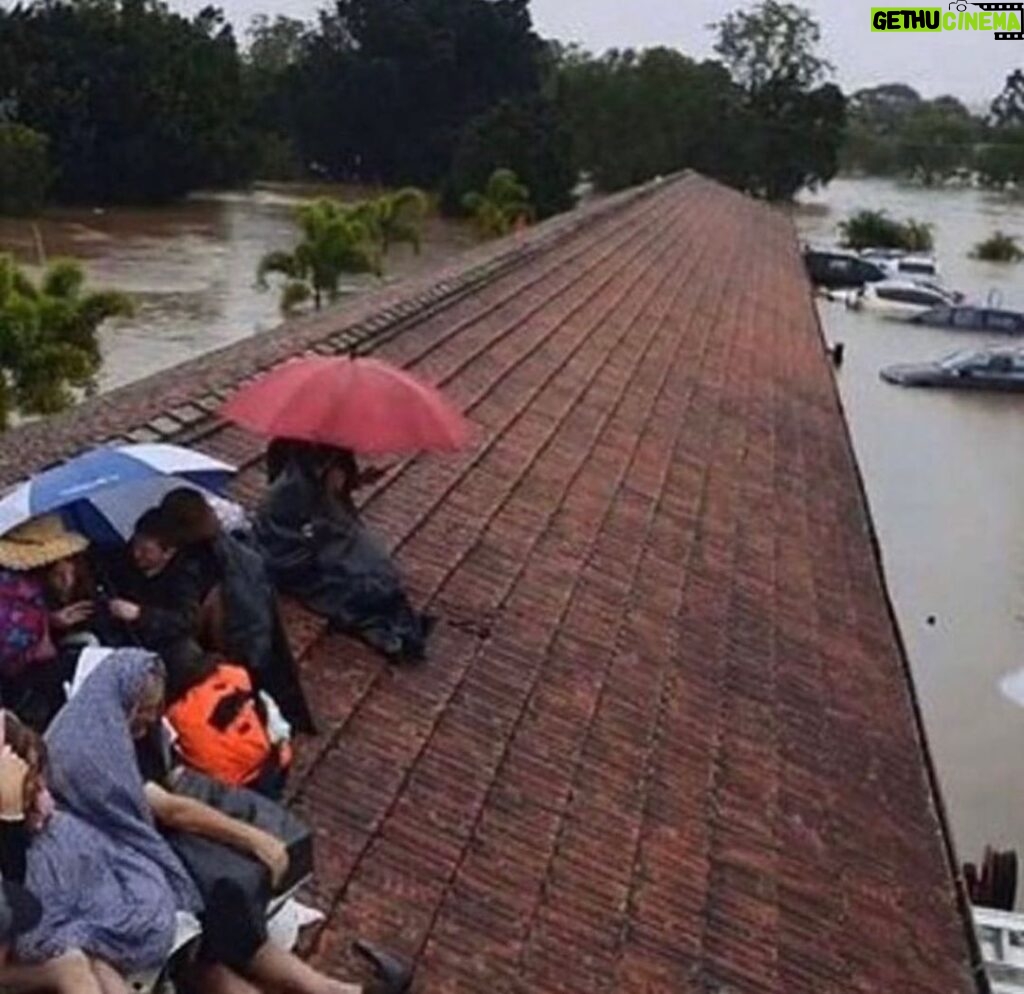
<point>1001,942</point>
<point>836,269</point>
<point>901,299</point>
<point>903,264</point>
<point>967,317</point>
<point>984,369</point>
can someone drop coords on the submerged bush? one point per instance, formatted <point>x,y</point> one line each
<point>1001,247</point>
<point>875,229</point>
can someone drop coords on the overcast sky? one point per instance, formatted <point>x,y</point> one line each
<point>971,65</point>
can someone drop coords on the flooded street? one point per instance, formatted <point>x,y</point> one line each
<point>945,477</point>
<point>191,268</point>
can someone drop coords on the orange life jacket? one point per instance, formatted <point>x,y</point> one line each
<point>222,729</point>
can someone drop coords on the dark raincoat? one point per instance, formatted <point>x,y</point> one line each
<point>108,881</point>
<point>319,551</point>
<point>254,632</point>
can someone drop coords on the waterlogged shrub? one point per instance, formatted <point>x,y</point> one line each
<point>1000,247</point>
<point>875,229</point>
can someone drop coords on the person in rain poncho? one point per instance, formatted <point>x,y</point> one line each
<point>319,550</point>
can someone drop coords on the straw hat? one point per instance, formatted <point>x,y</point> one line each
<point>40,542</point>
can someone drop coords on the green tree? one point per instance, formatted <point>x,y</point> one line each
<point>395,218</point>
<point>48,337</point>
<point>503,204</point>
<point>139,103</point>
<point>999,247</point>
<point>792,139</point>
<point>1008,107</point>
<point>793,123</point>
<point>637,115</point>
<point>771,44</point>
<point>1001,158</point>
<point>876,116</point>
<point>25,173</point>
<point>335,240</point>
<point>894,131</point>
<point>529,137</point>
<point>276,47</point>
<point>886,106</point>
<point>385,88</point>
<point>937,138</point>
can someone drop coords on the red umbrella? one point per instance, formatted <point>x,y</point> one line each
<point>364,405</point>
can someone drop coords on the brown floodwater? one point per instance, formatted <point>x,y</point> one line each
<point>191,268</point>
<point>944,472</point>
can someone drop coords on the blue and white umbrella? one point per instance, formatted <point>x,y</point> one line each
<point>102,493</point>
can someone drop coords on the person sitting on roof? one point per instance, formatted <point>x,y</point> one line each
<point>224,727</point>
<point>46,615</point>
<point>239,617</point>
<point>96,774</point>
<point>154,590</point>
<point>108,883</point>
<point>319,551</point>
<point>25,807</point>
<point>71,595</point>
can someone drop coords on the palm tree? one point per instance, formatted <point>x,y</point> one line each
<point>336,239</point>
<point>504,203</point>
<point>48,336</point>
<point>396,218</point>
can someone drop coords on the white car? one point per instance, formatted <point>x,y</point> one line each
<point>900,299</point>
<point>899,264</point>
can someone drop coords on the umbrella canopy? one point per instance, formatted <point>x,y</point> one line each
<point>364,405</point>
<point>100,492</point>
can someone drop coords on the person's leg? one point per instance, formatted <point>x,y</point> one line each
<point>110,980</point>
<point>71,973</point>
<point>276,969</point>
<point>209,978</point>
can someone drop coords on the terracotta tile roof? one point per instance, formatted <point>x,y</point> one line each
<point>666,741</point>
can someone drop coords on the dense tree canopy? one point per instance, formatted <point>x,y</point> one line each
<point>138,103</point>
<point>639,115</point>
<point>760,122</point>
<point>529,137</point>
<point>893,131</point>
<point>386,87</point>
<point>25,173</point>
<point>771,45</point>
<point>793,122</point>
<point>1008,107</point>
<point>275,48</point>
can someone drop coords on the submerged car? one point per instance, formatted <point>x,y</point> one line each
<point>901,299</point>
<point>903,264</point>
<point>835,269</point>
<point>986,369</point>
<point>964,317</point>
